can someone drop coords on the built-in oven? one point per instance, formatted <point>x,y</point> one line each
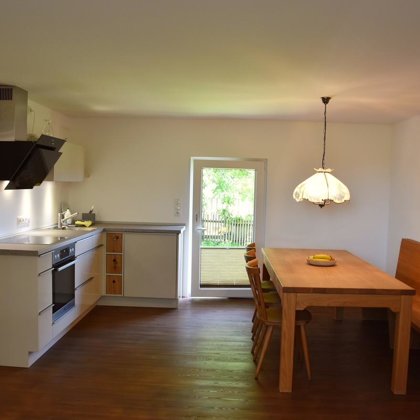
<point>63,275</point>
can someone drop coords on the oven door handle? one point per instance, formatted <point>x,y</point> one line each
<point>63,267</point>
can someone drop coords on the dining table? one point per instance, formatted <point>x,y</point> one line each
<point>350,282</point>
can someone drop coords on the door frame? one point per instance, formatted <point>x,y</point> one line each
<point>197,163</point>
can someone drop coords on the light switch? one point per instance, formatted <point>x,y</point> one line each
<point>177,207</point>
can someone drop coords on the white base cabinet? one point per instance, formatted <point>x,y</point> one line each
<point>25,307</point>
<point>88,273</point>
<point>26,327</point>
<point>151,265</point>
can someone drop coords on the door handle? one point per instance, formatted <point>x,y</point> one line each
<point>63,267</point>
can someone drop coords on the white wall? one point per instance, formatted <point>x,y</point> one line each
<point>41,203</point>
<point>405,190</point>
<point>137,167</point>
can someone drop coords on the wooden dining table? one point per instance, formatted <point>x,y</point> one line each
<point>352,282</point>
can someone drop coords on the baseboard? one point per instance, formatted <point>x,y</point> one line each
<point>137,302</point>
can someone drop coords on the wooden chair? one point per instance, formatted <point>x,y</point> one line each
<point>408,271</point>
<point>270,317</point>
<point>271,297</point>
<point>251,246</point>
<point>267,285</point>
<point>250,255</point>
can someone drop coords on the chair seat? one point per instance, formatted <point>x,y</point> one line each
<point>267,285</point>
<point>272,298</point>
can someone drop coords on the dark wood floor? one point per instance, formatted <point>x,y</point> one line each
<point>195,362</point>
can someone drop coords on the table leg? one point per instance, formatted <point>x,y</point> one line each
<point>401,347</point>
<point>287,342</point>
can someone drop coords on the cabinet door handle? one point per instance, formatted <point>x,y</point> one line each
<point>46,309</point>
<point>46,271</point>
<point>85,282</point>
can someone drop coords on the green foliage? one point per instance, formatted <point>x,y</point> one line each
<point>207,243</point>
<point>229,186</point>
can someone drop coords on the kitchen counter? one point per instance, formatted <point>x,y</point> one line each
<point>41,241</point>
<point>142,227</point>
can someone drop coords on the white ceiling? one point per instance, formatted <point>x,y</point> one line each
<point>212,58</point>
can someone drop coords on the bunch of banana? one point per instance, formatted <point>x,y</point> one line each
<point>324,260</point>
<point>323,257</point>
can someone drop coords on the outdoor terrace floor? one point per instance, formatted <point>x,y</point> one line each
<point>223,267</point>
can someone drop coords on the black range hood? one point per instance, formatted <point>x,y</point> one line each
<point>27,163</point>
<point>23,163</point>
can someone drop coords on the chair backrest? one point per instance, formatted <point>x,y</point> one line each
<point>251,246</point>
<point>408,267</point>
<point>255,282</point>
<point>250,255</point>
<point>253,262</point>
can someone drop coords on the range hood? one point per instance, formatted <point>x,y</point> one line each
<point>24,163</point>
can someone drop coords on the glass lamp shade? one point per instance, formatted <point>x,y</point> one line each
<point>322,188</point>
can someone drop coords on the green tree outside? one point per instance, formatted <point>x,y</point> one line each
<point>228,196</point>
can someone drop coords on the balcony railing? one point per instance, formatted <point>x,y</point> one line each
<point>227,232</point>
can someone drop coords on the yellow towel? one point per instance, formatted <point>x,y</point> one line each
<point>85,223</point>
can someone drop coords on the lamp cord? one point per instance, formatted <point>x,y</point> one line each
<point>325,100</point>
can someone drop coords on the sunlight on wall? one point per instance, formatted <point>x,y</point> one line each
<point>49,201</point>
<point>7,194</point>
<point>25,206</point>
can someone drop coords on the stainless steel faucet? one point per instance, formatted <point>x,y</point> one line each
<point>61,220</point>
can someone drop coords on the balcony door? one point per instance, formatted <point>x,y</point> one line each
<point>228,213</point>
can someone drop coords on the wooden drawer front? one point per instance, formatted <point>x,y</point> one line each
<point>114,285</point>
<point>114,242</point>
<point>114,264</point>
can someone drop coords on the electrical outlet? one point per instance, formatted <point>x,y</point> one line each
<point>23,221</point>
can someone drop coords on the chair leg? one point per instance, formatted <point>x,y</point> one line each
<point>256,334</point>
<point>266,342</point>
<point>259,340</point>
<point>304,341</point>
<point>254,323</point>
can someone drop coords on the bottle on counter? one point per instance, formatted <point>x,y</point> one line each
<point>67,216</point>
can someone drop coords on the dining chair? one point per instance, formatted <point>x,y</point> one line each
<point>250,246</point>
<point>267,285</point>
<point>250,255</point>
<point>269,317</point>
<point>271,297</point>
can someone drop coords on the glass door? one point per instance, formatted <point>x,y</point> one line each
<point>228,213</point>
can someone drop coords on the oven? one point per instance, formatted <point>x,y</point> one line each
<point>63,275</point>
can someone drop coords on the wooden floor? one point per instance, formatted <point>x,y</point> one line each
<point>195,362</point>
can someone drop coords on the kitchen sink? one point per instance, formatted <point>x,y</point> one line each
<point>79,228</point>
<point>49,232</point>
<point>68,231</point>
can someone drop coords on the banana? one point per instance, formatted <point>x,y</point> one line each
<point>322,257</point>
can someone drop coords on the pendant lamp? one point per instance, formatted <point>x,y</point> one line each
<point>322,188</point>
